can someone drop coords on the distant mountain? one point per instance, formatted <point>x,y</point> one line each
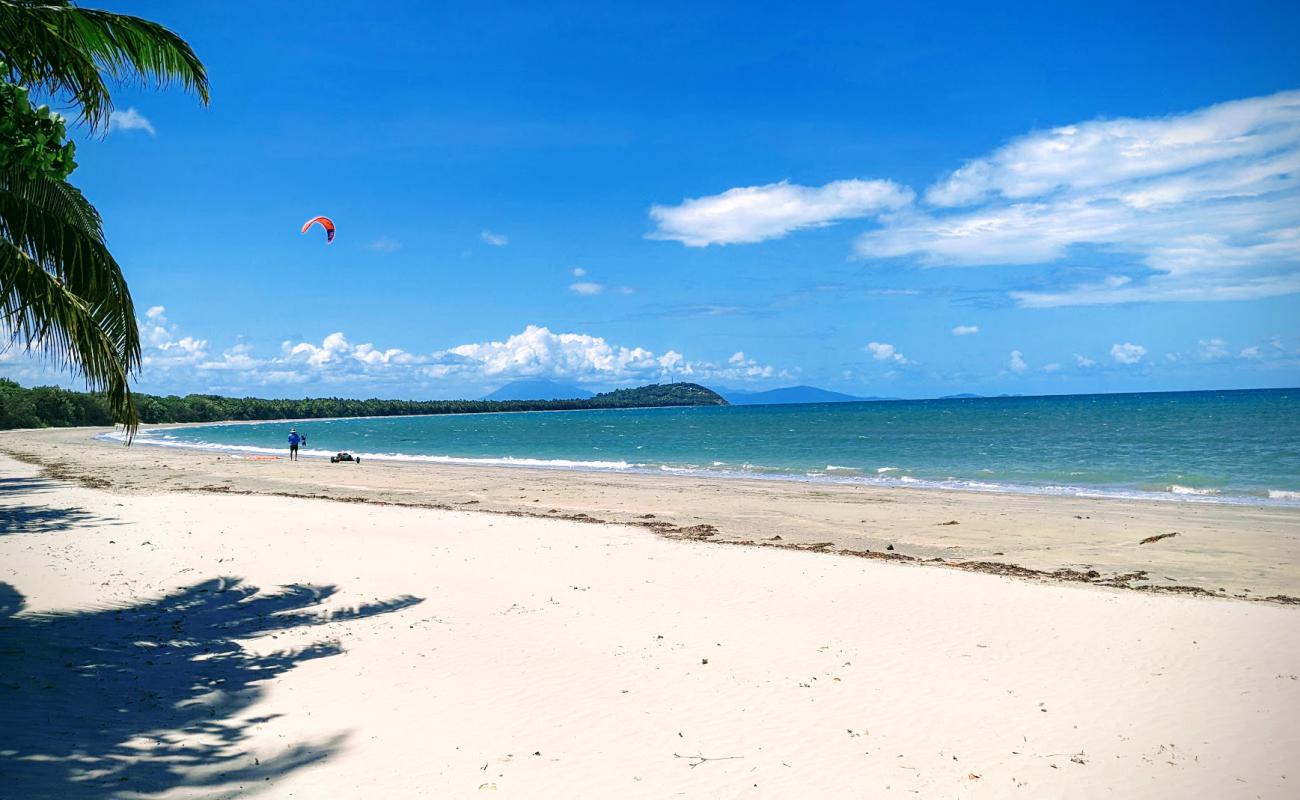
<point>538,390</point>
<point>790,394</point>
<point>961,396</point>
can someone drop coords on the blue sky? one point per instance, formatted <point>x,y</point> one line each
<point>883,201</point>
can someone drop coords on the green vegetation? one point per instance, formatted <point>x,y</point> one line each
<point>50,407</point>
<point>61,291</point>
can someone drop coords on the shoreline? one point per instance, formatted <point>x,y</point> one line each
<point>1224,550</point>
<point>1174,494</point>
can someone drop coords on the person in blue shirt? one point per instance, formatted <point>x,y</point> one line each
<point>294,440</point>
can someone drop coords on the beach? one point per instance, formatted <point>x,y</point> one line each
<point>188,624</point>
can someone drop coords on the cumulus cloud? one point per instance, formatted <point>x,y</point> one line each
<point>385,244</point>
<point>965,330</point>
<point>162,347</point>
<point>756,213</point>
<point>1204,205</point>
<point>129,120</point>
<point>1084,361</point>
<point>579,272</point>
<point>1051,367</point>
<point>1127,353</point>
<point>881,351</point>
<point>1251,352</point>
<point>495,239</point>
<point>1017,363</point>
<point>536,352</point>
<point>1213,349</point>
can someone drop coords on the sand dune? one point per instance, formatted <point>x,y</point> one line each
<point>187,645</point>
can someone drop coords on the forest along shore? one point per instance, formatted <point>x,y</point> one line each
<point>1242,552</point>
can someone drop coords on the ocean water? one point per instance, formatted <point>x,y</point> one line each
<point>1239,446</point>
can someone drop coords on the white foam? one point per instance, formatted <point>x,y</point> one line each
<point>149,438</point>
<point>1176,489</point>
<point>161,437</point>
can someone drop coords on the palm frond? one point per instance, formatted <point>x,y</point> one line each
<point>63,49</point>
<point>38,307</point>
<point>54,225</point>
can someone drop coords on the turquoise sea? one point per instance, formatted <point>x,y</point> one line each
<point>1237,446</point>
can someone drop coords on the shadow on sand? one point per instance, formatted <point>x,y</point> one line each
<point>151,697</point>
<point>24,518</point>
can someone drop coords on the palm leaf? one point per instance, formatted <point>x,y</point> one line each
<point>37,307</point>
<point>54,225</point>
<point>65,50</point>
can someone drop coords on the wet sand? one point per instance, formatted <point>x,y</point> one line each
<point>1244,552</point>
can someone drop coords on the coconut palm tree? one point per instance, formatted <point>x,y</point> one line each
<point>61,291</point>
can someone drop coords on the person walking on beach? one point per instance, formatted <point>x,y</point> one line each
<point>294,441</point>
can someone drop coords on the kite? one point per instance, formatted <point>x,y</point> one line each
<point>324,222</point>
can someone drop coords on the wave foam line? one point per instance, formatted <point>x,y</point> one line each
<point>1171,493</point>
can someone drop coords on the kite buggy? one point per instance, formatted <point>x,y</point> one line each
<point>344,457</point>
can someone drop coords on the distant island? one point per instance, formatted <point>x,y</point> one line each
<point>790,395</point>
<point>52,407</point>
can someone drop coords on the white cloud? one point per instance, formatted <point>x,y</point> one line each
<point>755,213</point>
<point>173,361</point>
<point>537,352</point>
<point>1213,349</point>
<point>1127,353</point>
<point>1203,205</point>
<point>593,288</point>
<point>885,352</point>
<point>161,347</point>
<point>579,272</point>
<point>1084,361</point>
<point>1017,363</point>
<point>385,244</point>
<point>129,120</point>
<point>495,239</point>
<point>965,330</point>
<point>1051,367</point>
<point>1251,353</point>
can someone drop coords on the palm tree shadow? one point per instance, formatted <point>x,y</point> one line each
<point>150,697</point>
<point>30,518</point>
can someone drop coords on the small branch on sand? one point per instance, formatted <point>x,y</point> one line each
<point>698,759</point>
<point>1157,538</point>
<point>1079,758</point>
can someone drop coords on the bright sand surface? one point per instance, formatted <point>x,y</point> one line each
<point>201,643</point>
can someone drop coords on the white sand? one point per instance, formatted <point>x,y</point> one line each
<point>559,659</point>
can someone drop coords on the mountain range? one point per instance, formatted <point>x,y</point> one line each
<point>790,394</point>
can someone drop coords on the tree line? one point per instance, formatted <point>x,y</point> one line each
<point>52,407</point>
